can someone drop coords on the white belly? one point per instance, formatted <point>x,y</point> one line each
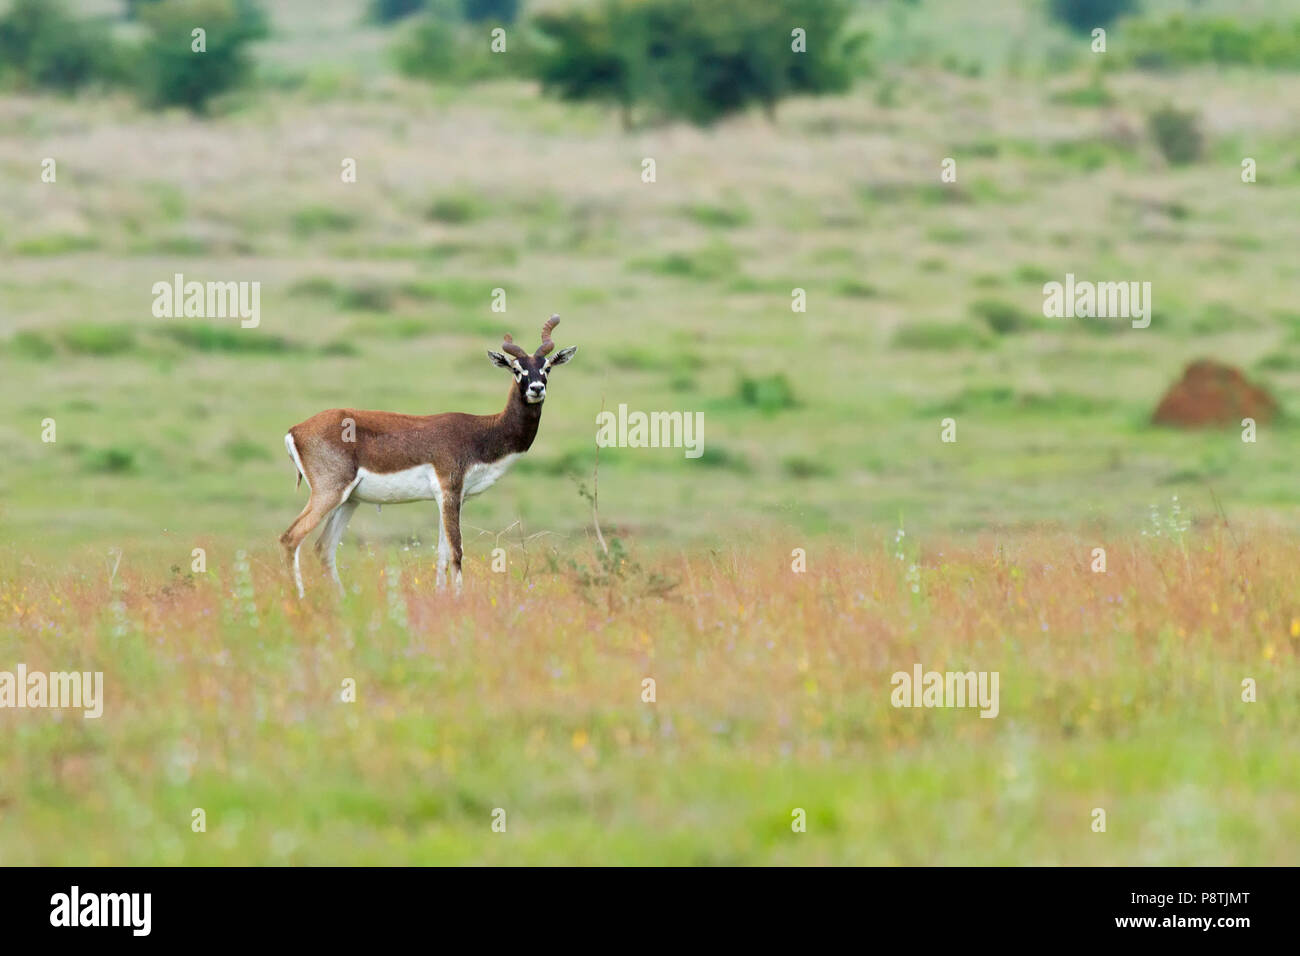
<point>481,477</point>
<point>392,487</point>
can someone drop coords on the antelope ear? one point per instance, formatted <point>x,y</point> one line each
<point>562,357</point>
<point>499,360</point>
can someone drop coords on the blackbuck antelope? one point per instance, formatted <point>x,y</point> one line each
<point>350,456</point>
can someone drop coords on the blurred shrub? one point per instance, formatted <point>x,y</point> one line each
<point>1002,318</point>
<point>463,293</point>
<point>1086,15</point>
<point>1092,94</point>
<point>719,456</point>
<point>1177,134</point>
<point>802,467</point>
<point>694,59</point>
<point>717,260</point>
<point>442,47</point>
<point>390,11</point>
<point>1028,272</point>
<point>1282,361</point>
<point>42,46</point>
<point>1178,41</point>
<point>310,220</point>
<point>322,286</point>
<point>718,216</point>
<point>340,348</point>
<point>202,337</point>
<point>110,461</point>
<point>55,244</point>
<point>1091,153</point>
<point>939,337</point>
<point>366,296</point>
<point>133,7</point>
<point>30,344</point>
<point>584,61</point>
<point>456,208</point>
<point>171,74</point>
<point>490,11</point>
<point>473,11</point>
<point>97,340</point>
<point>855,289</point>
<point>241,450</point>
<point>767,393</point>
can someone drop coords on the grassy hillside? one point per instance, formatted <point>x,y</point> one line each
<point>378,294</point>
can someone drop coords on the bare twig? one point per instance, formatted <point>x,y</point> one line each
<point>1219,508</point>
<point>595,492</point>
<point>523,539</point>
<point>116,554</point>
<point>523,546</point>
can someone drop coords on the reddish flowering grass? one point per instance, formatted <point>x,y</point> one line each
<point>1119,690</point>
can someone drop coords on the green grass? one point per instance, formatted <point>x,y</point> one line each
<point>311,220</point>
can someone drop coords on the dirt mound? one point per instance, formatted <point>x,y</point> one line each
<point>1211,393</point>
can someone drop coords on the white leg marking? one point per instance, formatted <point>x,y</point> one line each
<point>444,546</point>
<point>444,553</point>
<point>297,571</point>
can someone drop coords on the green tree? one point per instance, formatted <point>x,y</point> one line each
<point>695,59</point>
<point>1083,16</point>
<point>390,11</point>
<point>172,73</point>
<point>490,11</point>
<point>41,45</point>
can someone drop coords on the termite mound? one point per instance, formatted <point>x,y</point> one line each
<point>1213,394</point>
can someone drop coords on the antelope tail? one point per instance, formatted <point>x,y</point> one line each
<point>292,449</point>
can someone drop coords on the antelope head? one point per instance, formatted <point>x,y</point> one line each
<point>530,371</point>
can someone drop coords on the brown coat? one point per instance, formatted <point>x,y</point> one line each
<point>424,456</point>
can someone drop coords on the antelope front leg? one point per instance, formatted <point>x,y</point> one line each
<point>449,539</point>
<point>444,552</point>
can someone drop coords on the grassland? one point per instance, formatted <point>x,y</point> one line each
<point>675,292</point>
<point>822,431</point>
<point>1119,691</point>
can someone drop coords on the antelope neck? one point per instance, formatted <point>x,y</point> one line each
<point>516,426</point>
